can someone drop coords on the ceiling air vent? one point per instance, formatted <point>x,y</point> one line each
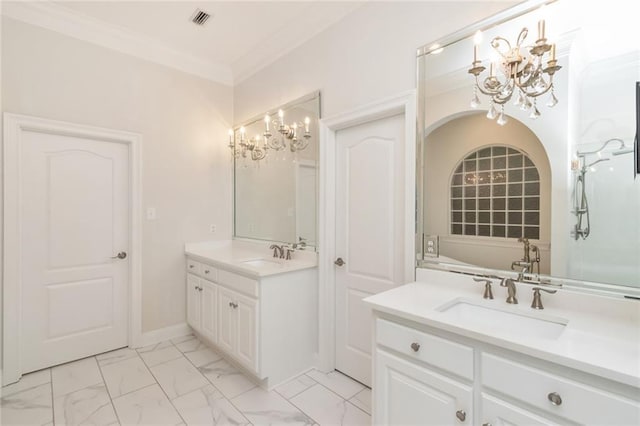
<point>200,17</point>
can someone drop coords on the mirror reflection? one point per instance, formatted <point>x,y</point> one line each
<point>275,174</point>
<point>526,147</point>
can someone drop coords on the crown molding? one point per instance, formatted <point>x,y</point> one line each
<point>57,18</point>
<point>275,47</point>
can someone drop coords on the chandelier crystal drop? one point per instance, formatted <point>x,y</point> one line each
<point>524,71</point>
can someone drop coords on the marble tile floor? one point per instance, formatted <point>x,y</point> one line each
<point>178,382</point>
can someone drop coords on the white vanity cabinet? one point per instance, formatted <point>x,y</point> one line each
<point>428,376</point>
<point>264,323</point>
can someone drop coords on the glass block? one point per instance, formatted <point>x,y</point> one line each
<point>470,204</point>
<point>456,204</point>
<point>470,217</point>
<point>515,175</point>
<point>499,190</point>
<point>512,151</point>
<point>532,203</point>
<point>484,164</point>
<point>484,178</point>
<point>532,188</point>
<point>515,189</point>
<point>499,150</point>
<point>469,230</point>
<point>472,156</point>
<point>484,217</point>
<point>484,230</point>
<point>484,204</point>
<point>470,191</point>
<point>469,166</point>
<point>531,174</point>
<point>499,218</point>
<point>457,179</point>
<point>484,191</point>
<point>528,162</point>
<point>469,178</point>
<point>532,218</point>
<point>485,152</point>
<point>516,161</point>
<point>515,218</point>
<point>456,192</point>
<point>532,232</point>
<point>499,203</point>
<point>456,229</point>
<point>456,217</point>
<point>459,168</point>
<point>514,231</point>
<point>514,204</point>
<point>498,231</point>
<point>499,163</point>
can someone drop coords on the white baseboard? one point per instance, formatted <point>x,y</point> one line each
<point>162,334</point>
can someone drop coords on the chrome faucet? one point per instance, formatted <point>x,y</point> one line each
<point>488,294</point>
<point>511,290</point>
<point>278,251</point>
<point>537,300</point>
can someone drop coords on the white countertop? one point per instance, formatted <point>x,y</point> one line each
<point>602,336</point>
<point>231,255</point>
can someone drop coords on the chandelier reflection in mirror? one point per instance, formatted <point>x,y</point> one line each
<point>525,73</point>
<point>297,134</point>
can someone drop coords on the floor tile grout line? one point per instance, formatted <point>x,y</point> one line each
<point>298,393</point>
<point>165,393</point>
<point>109,392</point>
<point>346,399</point>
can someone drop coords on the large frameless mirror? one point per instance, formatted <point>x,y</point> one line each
<point>276,174</point>
<point>526,146</point>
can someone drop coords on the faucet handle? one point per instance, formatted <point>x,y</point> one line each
<point>488,294</point>
<point>536,303</point>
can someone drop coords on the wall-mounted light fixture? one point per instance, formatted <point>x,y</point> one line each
<point>523,71</point>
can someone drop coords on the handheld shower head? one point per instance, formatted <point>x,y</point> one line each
<point>622,151</point>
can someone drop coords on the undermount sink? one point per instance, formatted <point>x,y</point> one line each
<point>258,263</point>
<point>505,320</point>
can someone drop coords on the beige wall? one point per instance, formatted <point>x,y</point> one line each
<point>183,121</point>
<point>369,55</point>
<point>444,148</point>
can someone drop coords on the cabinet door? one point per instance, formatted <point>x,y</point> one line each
<point>247,317</point>
<point>209,295</point>
<point>193,301</point>
<point>406,393</point>
<point>226,320</point>
<point>499,413</point>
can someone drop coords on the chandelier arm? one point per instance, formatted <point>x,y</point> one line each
<point>488,92</point>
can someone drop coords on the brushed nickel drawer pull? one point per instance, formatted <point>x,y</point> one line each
<point>415,346</point>
<point>555,398</point>
<point>461,415</point>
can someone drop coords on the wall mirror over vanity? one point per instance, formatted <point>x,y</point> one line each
<point>534,173</point>
<point>275,174</point>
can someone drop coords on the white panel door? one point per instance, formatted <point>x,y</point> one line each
<point>247,316</point>
<point>227,320</point>
<point>209,314</point>
<point>194,306</point>
<point>369,232</point>
<point>407,394</point>
<point>74,210</point>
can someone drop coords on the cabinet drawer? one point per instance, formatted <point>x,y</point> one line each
<point>208,272</point>
<point>194,267</point>
<point>238,282</point>
<point>450,356</point>
<point>573,400</point>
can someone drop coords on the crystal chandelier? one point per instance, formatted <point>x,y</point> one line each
<point>257,150</point>
<point>524,71</point>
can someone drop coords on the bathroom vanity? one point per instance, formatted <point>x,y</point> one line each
<point>258,311</point>
<point>444,355</point>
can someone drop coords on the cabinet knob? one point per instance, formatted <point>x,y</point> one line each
<point>461,415</point>
<point>196,287</point>
<point>206,271</point>
<point>231,304</point>
<point>191,266</point>
<point>555,399</point>
<point>415,346</point>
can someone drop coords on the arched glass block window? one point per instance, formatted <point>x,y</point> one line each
<point>495,192</point>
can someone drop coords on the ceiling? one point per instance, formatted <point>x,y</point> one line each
<point>241,36</point>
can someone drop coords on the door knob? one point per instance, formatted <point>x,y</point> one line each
<point>339,261</point>
<point>121,255</point>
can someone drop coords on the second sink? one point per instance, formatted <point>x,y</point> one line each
<point>503,319</point>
